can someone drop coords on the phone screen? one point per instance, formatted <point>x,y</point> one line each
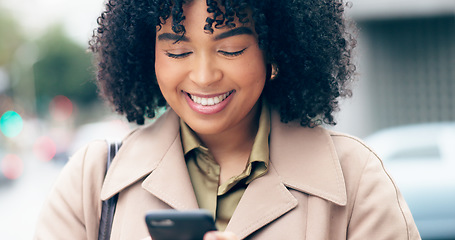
<point>179,225</point>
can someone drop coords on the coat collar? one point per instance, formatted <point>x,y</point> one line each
<point>306,160</point>
<point>154,152</point>
<point>303,159</point>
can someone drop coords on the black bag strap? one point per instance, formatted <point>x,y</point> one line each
<point>108,207</point>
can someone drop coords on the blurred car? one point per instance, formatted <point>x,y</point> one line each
<point>421,160</point>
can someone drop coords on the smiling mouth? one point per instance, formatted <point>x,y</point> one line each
<point>209,101</point>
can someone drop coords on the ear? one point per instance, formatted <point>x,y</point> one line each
<point>272,71</point>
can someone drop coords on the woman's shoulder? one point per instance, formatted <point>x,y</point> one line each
<point>346,143</point>
<point>360,164</point>
<point>92,156</point>
<point>322,149</point>
<point>368,181</point>
<point>319,139</point>
<point>353,153</point>
<point>90,160</point>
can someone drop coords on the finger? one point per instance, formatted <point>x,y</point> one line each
<point>220,236</point>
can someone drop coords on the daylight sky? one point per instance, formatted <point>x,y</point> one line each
<point>77,16</point>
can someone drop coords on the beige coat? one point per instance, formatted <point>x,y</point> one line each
<point>320,185</point>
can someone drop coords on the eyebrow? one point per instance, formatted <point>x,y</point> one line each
<point>233,32</point>
<point>172,37</point>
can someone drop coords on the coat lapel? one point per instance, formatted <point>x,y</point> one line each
<point>264,200</point>
<point>306,160</point>
<point>303,159</point>
<point>155,151</point>
<point>171,182</point>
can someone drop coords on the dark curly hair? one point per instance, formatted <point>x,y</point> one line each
<point>307,41</point>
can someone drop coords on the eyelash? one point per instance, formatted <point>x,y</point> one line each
<point>232,54</point>
<point>177,56</point>
<point>228,54</point>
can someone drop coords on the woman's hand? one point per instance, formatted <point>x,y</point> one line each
<point>216,235</point>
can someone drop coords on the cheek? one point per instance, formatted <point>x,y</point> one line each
<point>254,69</point>
<point>167,74</point>
<point>253,73</point>
<point>166,81</point>
<point>161,67</point>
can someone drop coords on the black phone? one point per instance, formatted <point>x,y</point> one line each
<point>179,225</point>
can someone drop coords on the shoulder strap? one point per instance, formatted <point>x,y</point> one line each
<point>108,207</point>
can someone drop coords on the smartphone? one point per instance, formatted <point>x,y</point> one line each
<point>179,225</point>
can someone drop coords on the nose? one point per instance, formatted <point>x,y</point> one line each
<point>205,71</point>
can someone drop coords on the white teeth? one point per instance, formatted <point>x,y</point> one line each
<point>209,101</point>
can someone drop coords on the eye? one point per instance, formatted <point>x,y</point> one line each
<point>177,56</point>
<point>232,54</point>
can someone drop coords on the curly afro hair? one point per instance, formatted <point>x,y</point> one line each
<point>307,41</point>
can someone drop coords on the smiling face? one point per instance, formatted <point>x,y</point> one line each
<point>212,81</point>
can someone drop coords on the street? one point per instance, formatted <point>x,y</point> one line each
<point>21,199</point>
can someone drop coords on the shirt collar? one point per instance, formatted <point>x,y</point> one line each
<point>190,140</point>
<point>259,157</point>
<point>260,149</point>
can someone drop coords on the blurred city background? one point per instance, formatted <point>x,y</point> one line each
<point>403,103</point>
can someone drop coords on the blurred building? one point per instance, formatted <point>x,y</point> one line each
<point>406,63</point>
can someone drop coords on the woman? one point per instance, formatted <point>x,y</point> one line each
<point>246,85</point>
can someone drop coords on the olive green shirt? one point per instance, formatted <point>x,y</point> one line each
<point>204,171</point>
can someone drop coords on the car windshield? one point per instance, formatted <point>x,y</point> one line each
<point>425,153</point>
